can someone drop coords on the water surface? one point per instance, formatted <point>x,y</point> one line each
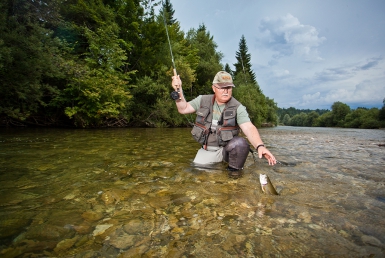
<point>136,193</point>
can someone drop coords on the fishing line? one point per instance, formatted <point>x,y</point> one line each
<point>168,39</point>
<point>172,56</point>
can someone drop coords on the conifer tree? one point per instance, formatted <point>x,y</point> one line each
<point>228,69</point>
<point>169,12</point>
<point>243,57</point>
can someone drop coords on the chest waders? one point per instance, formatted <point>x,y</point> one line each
<point>219,135</point>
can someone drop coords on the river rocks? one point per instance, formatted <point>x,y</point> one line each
<point>138,226</point>
<point>109,198</point>
<point>11,226</point>
<point>65,244</point>
<point>371,240</point>
<point>100,229</point>
<point>83,228</point>
<point>44,232</point>
<point>123,198</point>
<point>123,241</point>
<point>92,215</point>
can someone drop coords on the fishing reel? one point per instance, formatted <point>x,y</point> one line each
<point>175,95</point>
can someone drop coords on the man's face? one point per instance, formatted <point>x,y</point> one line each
<point>222,95</point>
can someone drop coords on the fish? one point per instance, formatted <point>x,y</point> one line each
<point>267,186</point>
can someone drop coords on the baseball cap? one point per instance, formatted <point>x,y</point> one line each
<point>223,79</point>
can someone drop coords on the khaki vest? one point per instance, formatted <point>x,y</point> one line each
<point>227,126</point>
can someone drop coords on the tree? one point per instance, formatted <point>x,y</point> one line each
<point>381,115</point>
<point>228,69</point>
<point>298,120</point>
<point>30,57</point>
<point>370,120</point>
<point>250,96</point>
<point>243,65</point>
<point>271,117</point>
<point>325,120</point>
<point>339,112</point>
<point>311,119</point>
<point>286,119</point>
<point>208,59</point>
<point>168,12</point>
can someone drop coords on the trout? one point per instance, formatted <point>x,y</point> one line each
<point>267,186</point>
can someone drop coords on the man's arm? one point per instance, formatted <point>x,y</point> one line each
<point>182,105</point>
<point>254,138</point>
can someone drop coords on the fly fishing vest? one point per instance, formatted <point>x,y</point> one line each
<point>204,132</point>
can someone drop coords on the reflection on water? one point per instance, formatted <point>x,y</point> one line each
<point>134,192</point>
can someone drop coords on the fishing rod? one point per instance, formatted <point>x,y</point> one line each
<point>175,94</point>
<point>169,44</point>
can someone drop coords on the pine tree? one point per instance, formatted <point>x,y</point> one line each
<point>228,69</point>
<point>169,12</point>
<point>243,57</point>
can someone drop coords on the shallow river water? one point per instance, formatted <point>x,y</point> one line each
<point>136,193</point>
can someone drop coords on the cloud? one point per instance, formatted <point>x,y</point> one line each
<point>346,71</point>
<point>366,93</point>
<point>334,74</point>
<point>356,84</point>
<point>308,98</point>
<point>287,36</point>
<point>373,62</point>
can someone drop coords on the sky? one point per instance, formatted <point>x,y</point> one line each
<point>306,54</point>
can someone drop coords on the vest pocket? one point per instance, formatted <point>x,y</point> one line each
<point>224,136</point>
<point>202,114</point>
<point>198,133</point>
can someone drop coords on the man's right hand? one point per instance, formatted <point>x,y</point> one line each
<point>176,83</point>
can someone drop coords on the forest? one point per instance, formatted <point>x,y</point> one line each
<point>341,115</point>
<point>106,63</point>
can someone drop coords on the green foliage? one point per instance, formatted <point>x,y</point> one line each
<point>96,95</point>
<point>298,120</point>
<point>325,120</point>
<point>381,115</point>
<point>208,59</point>
<point>286,119</point>
<point>28,59</point>
<point>341,116</point>
<point>339,112</point>
<point>243,64</point>
<point>291,111</point>
<point>168,12</point>
<point>83,63</point>
<point>311,118</point>
<point>255,102</point>
<point>261,110</point>
<point>228,69</point>
<point>271,116</point>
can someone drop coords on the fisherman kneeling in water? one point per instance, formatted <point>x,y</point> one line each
<point>219,119</point>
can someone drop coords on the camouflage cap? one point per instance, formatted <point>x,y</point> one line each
<point>223,79</point>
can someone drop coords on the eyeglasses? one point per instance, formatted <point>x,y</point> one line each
<point>224,88</point>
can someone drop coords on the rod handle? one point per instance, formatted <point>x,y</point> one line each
<point>177,89</point>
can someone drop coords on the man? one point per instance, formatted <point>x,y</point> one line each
<point>219,117</point>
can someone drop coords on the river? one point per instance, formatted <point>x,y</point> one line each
<point>135,193</point>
